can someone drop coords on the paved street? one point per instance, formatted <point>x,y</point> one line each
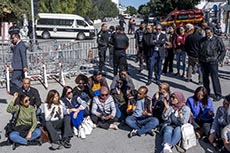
<point>110,141</point>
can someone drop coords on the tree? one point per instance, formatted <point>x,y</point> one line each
<point>131,10</point>
<point>144,9</point>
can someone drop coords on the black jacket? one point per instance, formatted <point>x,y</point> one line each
<point>192,44</point>
<point>103,39</point>
<point>212,50</point>
<point>120,41</point>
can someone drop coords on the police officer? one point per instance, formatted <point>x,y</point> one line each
<point>103,41</point>
<point>120,42</point>
<point>139,44</point>
<point>14,29</point>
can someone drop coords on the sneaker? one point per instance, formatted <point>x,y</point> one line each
<point>167,148</point>
<point>113,126</point>
<point>152,132</point>
<point>75,131</point>
<point>15,145</point>
<point>66,144</point>
<point>56,146</point>
<point>34,142</point>
<point>132,133</point>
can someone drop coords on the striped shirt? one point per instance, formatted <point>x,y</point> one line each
<point>106,108</point>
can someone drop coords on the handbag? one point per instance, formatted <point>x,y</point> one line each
<point>10,127</point>
<point>87,125</point>
<point>44,135</point>
<point>188,136</point>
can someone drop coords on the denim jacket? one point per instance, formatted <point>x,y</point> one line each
<point>171,117</point>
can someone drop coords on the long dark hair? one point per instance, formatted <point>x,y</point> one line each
<point>50,97</point>
<point>65,89</point>
<point>204,101</point>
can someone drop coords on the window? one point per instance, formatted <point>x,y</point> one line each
<point>81,23</point>
<point>182,17</point>
<point>171,18</point>
<point>59,22</point>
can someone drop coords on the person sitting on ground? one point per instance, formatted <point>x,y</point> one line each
<point>141,121</point>
<point>225,135</point>
<point>104,110</point>
<point>96,82</point>
<point>202,111</point>
<point>76,108</point>
<point>158,98</point>
<point>175,116</point>
<point>33,94</point>
<point>120,100</point>
<point>220,121</point>
<point>57,120</point>
<point>127,82</point>
<point>82,86</point>
<point>25,132</point>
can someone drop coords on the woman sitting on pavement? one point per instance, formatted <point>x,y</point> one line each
<point>157,100</point>
<point>25,132</point>
<point>221,120</point>
<point>104,110</point>
<point>174,116</point>
<point>76,108</point>
<point>202,111</point>
<point>56,119</point>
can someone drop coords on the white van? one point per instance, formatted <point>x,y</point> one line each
<point>63,26</point>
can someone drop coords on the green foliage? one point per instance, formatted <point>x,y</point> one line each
<point>163,7</point>
<point>94,9</point>
<point>131,10</point>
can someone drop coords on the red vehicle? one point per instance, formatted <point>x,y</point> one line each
<point>183,17</point>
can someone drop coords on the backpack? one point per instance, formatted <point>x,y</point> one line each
<point>188,136</point>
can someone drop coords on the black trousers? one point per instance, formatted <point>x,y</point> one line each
<point>169,61</point>
<point>63,125</point>
<point>119,61</point>
<point>211,69</point>
<point>141,56</point>
<point>101,123</point>
<point>203,126</point>
<point>102,57</point>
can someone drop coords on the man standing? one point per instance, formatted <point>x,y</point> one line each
<point>139,44</point>
<point>121,43</point>
<point>192,48</point>
<point>157,54</point>
<point>212,52</point>
<point>19,61</point>
<point>103,42</point>
<point>14,29</point>
<point>141,120</point>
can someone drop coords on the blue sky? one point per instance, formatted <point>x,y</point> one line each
<point>135,3</point>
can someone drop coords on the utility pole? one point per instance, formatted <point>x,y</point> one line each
<point>33,27</point>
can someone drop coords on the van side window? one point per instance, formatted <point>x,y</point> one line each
<point>182,16</point>
<point>47,22</point>
<point>81,23</point>
<point>171,18</point>
<point>64,22</point>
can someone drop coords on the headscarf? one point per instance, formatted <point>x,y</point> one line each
<point>103,90</point>
<point>181,100</point>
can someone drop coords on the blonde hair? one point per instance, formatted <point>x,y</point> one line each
<point>165,86</point>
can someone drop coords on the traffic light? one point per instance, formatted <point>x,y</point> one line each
<point>36,7</point>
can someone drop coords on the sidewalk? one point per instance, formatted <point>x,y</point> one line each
<point>110,141</point>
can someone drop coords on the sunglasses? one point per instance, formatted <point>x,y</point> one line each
<point>27,100</point>
<point>173,97</point>
<point>158,29</point>
<point>69,92</point>
<point>104,95</point>
<point>81,83</point>
<point>119,82</point>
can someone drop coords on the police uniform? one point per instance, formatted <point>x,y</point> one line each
<point>103,41</point>
<point>120,42</point>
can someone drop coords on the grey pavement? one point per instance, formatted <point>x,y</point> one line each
<point>111,141</point>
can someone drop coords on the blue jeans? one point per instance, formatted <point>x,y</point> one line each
<point>155,59</point>
<point>142,125</point>
<point>119,114</point>
<point>171,135</point>
<point>15,137</point>
<point>78,120</point>
<point>181,57</point>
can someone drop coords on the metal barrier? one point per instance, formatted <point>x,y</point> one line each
<point>55,60</point>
